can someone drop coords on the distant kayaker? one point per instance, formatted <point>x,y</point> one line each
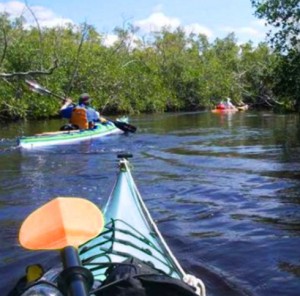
<point>81,116</point>
<point>229,105</point>
<point>226,105</point>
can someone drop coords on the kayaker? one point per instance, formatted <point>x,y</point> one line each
<point>81,116</point>
<point>229,105</point>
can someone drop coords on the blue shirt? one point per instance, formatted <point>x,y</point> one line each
<point>92,115</point>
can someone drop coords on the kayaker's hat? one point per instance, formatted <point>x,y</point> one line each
<point>84,99</point>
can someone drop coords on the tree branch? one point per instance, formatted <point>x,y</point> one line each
<point>30,73</point>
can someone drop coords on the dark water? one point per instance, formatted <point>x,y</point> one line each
<point>224,190</point>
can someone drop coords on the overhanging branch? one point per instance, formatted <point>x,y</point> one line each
<point>30,73</point>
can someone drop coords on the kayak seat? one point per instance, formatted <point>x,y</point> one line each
<point>69,127</point>
<point>135,278</point>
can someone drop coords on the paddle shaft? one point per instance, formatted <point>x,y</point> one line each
<point>75,282</point>
<point>57,96</point>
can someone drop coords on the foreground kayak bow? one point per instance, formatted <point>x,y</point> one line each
<point>129,253</point>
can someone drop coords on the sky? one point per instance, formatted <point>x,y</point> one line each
<point>214,18</point>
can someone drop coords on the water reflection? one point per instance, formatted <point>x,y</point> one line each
<point>226,118</point>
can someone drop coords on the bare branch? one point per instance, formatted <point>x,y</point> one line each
<point>30,73</point>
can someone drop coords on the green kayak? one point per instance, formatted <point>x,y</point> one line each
<point>73,136</point>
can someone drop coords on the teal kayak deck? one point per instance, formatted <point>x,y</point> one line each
<point>129,231</point>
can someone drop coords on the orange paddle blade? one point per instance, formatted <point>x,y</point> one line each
<point>62,222</point>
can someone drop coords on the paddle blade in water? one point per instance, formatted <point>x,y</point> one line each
<point>64,221</point>
<point>126,127</point>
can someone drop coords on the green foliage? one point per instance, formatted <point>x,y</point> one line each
<point>287,86</point>
<point>172,71</point>
<point>284,17</point>
<point>256,75</point>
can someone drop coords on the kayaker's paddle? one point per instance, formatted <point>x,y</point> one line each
<point>63,224</point>
<point>34,86</point>
<point>125,127</point>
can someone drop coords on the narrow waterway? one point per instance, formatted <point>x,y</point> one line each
<point>224,190</point>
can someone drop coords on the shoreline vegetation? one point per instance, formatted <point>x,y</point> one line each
<point>168,71</point>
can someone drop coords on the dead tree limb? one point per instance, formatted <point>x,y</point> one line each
<point>31,73</point>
